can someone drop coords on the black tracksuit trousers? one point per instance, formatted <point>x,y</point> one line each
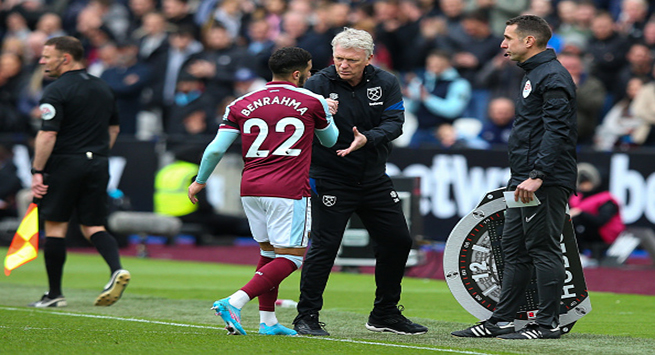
<point>380,209</point>
<point>531,242</point>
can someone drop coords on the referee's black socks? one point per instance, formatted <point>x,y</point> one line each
<point>107,246</point>
<point>54,252</point>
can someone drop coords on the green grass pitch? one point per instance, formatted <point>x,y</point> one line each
<point>165,310</point>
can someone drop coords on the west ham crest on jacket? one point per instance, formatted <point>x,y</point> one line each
<point>374,94</point>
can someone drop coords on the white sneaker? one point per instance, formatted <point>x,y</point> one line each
<point>114,288</point>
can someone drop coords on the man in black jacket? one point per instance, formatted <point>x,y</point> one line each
<point>350,178</point>
<point>542,161</point>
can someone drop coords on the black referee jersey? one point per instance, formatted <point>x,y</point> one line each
<point>80,107</point>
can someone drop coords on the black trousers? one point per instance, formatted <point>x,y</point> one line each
<point>531,243</point>
<point>378,206</point>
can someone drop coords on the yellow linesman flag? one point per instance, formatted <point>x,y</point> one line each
<point>25,245</point>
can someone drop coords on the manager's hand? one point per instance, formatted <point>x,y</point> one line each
<point>358,142</point>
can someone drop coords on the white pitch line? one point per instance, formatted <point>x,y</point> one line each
<point>96,316</point>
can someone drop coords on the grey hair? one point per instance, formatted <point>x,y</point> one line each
<point>352,38</point>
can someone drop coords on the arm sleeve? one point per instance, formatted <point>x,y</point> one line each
<point>326,131</point>
<point>456,100</point>
<point>214,153</point>
<point>393,117</point>
<point>555,111</point>
<point>52,110</point>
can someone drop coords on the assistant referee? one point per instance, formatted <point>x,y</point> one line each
<point>70,170</point>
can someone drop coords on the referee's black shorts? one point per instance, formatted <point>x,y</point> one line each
<point>76,183</point>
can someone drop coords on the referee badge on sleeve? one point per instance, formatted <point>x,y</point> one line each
<point>48,111</point>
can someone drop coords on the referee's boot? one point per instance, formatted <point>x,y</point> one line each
<point>394,322</point>
<point>114,288</point>
<point>534,331</point>
<point>485,329</point>
<point>308,324</point>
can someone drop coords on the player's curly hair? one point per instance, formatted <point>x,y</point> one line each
<point>285,61</point>
<point>352,38</point>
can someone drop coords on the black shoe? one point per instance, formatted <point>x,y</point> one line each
<point>46,301</point>
<point>534,331</point>
<point>485,329</point>
<point>394,322</point>
<point>308,324</point>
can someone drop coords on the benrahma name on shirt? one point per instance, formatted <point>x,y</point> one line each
<point>276,100</point>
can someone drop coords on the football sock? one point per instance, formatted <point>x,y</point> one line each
<point>239,299</point>
<point>269,277</point>
<point>54,252</point>
<point>107,246</point>
<point>267,299</point>
<point>267,318</point>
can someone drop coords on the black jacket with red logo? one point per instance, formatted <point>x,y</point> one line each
<point>545,132</point>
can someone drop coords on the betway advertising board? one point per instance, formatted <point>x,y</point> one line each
<point>453,181</point>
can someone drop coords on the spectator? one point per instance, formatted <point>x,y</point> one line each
<point>178,13</point>
<point>606,52</point>
<point>17,25</point>
<point>545,10</point>
<point>11,183</point>
<point>595,213</point>
<point>501,118</point>
<point>397,21</point>
<point>649,36</point>
<point>12,81</point>
<point>632,19</point>
<point>152,37</point>
<point>217,63</point>
<point>114,15</point>
<point>260,46</point>
<point>500,76</point>
<point>182,46</point>
<point>36,81</point>
<point>499,11</point>
<point>478,47</point>
<point>245,81</point>
<point>193,114</point>
<point>297,32</point>
<point>620,122</point>
<point>640,64</point>
<point>107,55</point>
<point>576,31</point>
<point>437,96</point>
<point>590,96</point>
<point>643,107</point>
<point>138,9</point>
<point>127,78</point>
<point>50,24</point>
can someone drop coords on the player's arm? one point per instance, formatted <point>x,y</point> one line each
<point>210,158</point>
<point>327,135</point>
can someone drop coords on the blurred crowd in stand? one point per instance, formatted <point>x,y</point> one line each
<point>175,64</point>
